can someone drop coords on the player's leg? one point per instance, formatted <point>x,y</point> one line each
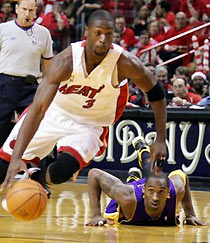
<point>73,154</point>
<point>57,172</point>
<point>143,151</point>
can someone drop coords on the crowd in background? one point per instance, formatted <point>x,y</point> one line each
<point>139,25</point>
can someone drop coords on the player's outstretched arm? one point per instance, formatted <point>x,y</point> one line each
<point>187,205</point>
<point>130,67</point>
<point>60,69</point>
<point>99,181</point>
<point>184,196</point>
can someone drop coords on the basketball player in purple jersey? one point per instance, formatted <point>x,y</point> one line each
<point>149,201</point>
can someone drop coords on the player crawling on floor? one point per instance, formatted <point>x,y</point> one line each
<point>152,200</point>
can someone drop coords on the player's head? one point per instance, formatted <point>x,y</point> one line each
<point>25,10</point>
<point>156,191</point>
<point>99,32</point>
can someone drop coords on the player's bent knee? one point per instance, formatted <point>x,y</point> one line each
<point>63,168</point>
<point>3,169</point>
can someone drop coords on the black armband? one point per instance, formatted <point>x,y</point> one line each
<point>156,93</point>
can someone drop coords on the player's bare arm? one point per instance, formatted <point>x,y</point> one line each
<point>131,67</point>
<point>184,196</point>
<point>59,70</point>
<point>99,181</point>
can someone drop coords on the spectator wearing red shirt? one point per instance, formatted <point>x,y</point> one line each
<point>182,97</point>
<point>124,7</point>
<point>39,12</point>
<point>193,9</point>
<point>117,39</point>
<point>178,46</point>
<point>7,13</point>
<point>127,34</point>
<point>57,24</point>
<point>156,32</point>
<point>164,15</point>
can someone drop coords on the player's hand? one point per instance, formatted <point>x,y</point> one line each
<point>13,169</point>
<point>193,220</point>
<point>97,221</point>
<point>158,156</point>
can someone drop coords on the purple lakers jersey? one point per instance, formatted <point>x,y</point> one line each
<point>140,217</point>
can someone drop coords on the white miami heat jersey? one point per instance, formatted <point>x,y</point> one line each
<point>92,99</point>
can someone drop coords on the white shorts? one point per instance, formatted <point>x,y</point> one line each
<point>81,140</point>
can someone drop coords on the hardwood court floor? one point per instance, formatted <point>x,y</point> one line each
<point>68,211</point>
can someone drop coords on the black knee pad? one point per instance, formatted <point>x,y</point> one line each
<point>63,168</point>
<point>3,169</point>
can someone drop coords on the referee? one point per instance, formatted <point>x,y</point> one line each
<point>25,51</point>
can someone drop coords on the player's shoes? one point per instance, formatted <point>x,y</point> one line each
<point>134,174</point>
<point>140,146</point>
<point>31,172</point>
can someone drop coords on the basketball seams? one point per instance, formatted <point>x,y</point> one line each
<point>28,200</point>
<point>38,204</point>
<point>25,189</point>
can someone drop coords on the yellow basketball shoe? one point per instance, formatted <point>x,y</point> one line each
<point>141,146</point>
<point>134,174</point>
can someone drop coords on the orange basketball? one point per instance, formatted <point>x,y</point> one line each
<point>26,200</point>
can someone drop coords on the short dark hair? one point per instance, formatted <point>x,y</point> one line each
<point>162,175</point>
<point>166,5</point>
<point>100,15</point>
<point>182,70</point>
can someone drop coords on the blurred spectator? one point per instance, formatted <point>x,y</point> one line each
<point>7,12</point>
<point>127,34</point>
<point>68,6</point>
<point>161,74</point>
<point>194,9</point>
<point>141,21</point>
<point>182,97</point>
<point>175,5</point>
<point>205,101</point>
<point>39,12</point>
<point>198,83</point>
<point>156,32</point>
<point>164,15</point>
<point>184,72</point>
<point>136,96</point>
<point>117,39</point>
<point>178,46</point>
<point>49,5</point>
<point>144,42</point>
<point>57,23</point>
<point>121,7</point>
<point>80,13</point>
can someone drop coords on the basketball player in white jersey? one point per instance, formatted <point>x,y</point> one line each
<point>83,93</point>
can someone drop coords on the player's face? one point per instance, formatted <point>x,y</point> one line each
<point>100,36</point>
<point>155,194</point>
<point>25,12</point>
